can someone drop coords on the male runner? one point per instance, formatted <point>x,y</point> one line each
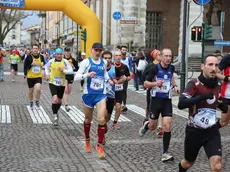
<point>155,54</point>
<point>122,75</point>
<point>128,62</point>
<point>33,72</point>
<point>56,70</point>
<point>110,90</point>
<point>201,97</point>
<point>14,59</point>
<point>69,78</point>
<point>161,80</point>
<point>94,69</point>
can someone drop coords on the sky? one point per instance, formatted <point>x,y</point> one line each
<point>31,20</point>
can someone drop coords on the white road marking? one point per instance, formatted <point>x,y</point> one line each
<point>5,114</point>
<point>122,118</point>
<point>75,114</point>
<point>39,116</point>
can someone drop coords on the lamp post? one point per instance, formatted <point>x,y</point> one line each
<point>57,29</point>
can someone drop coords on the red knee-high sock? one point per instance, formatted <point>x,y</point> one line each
<point>101,133</point>
<point>87,130</point>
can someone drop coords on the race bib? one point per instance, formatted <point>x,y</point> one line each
<point>58,81</point>
<point>118,87</point>
<point>205,118</point>
<point>97,83</point>
<point>36,69</point>
<point>165,87</point>
<point>13,62</point>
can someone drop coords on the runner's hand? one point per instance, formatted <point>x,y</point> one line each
<point>34,63</point>
<point>47,78</point>
<point>159,83</point>
<point>91,74</point>
<point>115,81</point>
<point>60,69</point>
<point>177,90</point>
<point>111,82</point>
<point>124,78</point>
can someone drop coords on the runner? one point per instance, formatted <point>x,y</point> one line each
<point>14,59</point>
<point>94,70</point>
<point>161,80</point>
<point>155,54</point>
<point>33,72</point>
<point>69,78</point>
<point>122,75</point>
<point>128,62</point>
<point>56,70</point>
<point>201,97</point>
<point>225,90</point>
<point>110,91</point>
<point>83,56</point>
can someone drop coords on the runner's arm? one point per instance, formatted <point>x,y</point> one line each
<point>149,83</point>
<point>75,64</point>
<point>69,69</point>
<point>47,67</point>
<point>82,73</point>
<point>27,64</point>
<point>187,98</point>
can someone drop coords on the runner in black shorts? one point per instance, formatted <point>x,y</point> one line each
<point>122,74</point>
<point>110,93</point>
<point>69,78</point>
<point>161,80</point>
<point>156,59</point>
<point>55,70</point>
<point>33,72</point>
<point>201,97</point>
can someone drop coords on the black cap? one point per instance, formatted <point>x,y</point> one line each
<point>97,45</point>
<point>67,49</point>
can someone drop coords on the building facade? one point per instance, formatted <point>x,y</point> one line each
<point>14,35</point>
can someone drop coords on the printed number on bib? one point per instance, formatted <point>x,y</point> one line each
<point>118,87</point>
<point>97,83</point>
<point>13,62</point>
<point>58,81</point>
<point>36,69</point>
<point>165,87</point>
<point>205,117</point>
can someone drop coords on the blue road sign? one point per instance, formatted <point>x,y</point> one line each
<point>222,43</point>
<point>117,15</point>
<point>201,2</point>
<point>14,3</point>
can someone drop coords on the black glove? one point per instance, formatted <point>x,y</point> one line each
<point>227,79</point>
<point>208,95</point>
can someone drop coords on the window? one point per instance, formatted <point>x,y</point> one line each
<point>153,30</point>
<point>13,36</point>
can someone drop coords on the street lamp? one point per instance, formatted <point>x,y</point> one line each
<point>57,29</point>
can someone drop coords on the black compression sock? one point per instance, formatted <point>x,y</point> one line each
<point>58,106</point>
<point>181,169</point>
<point>114,122</point>
<point>166,141</point>
<point>54,108</point>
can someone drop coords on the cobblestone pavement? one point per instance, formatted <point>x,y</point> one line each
<point>30,146</point>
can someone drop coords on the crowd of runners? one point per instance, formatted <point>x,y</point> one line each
<point>104,81</point>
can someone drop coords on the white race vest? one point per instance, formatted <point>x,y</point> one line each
<point>118,87</point>
<point>58,81</point>
<point>97,83</point>
<point>36,69</point>
<point>205,118</point>
<point>165,86</point>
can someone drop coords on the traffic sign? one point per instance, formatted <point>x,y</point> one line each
<point>117,15</point>
<point>222,43</point>
<point>201,2</point>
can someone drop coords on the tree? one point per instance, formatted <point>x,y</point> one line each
<point>8,20</point>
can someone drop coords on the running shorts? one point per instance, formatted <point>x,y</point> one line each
<point>69,78</point>
<point>57,90</point>
<point>14,67</point>
<point>160,106</point>
<point>195,138</point>
<point>90,100</point>
<point>32,81</point>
